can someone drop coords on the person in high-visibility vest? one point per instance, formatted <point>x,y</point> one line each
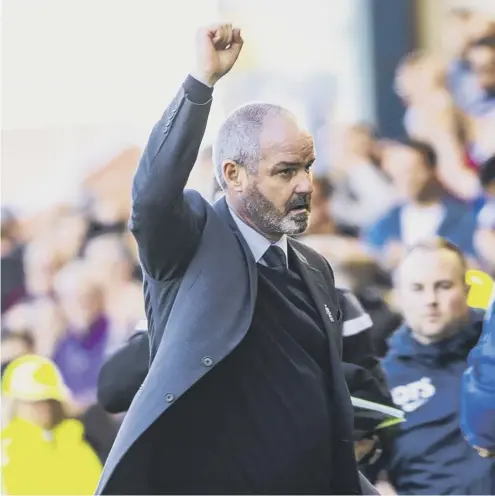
<point>43,451</point>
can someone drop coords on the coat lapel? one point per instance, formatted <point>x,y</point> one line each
<point>345,464</point>
<point>222,209</point>
<point>319,291</point>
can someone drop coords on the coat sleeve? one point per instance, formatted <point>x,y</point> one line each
<point>123,373</point>
<point>166,228</point>
<point>358,349</point>
<point>478,388</point>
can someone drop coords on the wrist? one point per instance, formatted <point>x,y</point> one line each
<point>196,91</point>
<point>207,79</point>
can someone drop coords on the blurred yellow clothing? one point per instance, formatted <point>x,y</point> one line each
<point>482,287</point>
<point>36,461</point>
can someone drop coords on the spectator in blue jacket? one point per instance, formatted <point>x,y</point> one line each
<point>478,390</point>
<point>424,366</point>
<point>426,211</point>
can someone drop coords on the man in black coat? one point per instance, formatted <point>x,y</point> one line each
<point>245,392</point>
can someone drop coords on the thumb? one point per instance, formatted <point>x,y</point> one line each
<point>237,41</point>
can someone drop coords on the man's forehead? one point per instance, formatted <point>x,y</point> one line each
<point>283,129</point>
<point>298,148</point>
<point>428,266</point>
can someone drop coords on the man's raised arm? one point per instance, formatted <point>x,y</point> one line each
<point>165,226</point>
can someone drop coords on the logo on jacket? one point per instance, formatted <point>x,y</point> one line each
<point>413,395</point>
<point>329,314</point>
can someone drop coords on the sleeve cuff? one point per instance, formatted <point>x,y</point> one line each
<point>196,91</point>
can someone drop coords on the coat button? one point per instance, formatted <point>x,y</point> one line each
<point>169,398</point>
<point>207,361</point>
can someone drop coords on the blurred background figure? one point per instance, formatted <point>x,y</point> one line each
<point>81,348</point>
<point>15,345</point>
<point>421,84</point>
<point>41,264</point>
<point>363,191</point>
<point>112,268</point>
<point>485,234</point>
<point>479,96</point>
<point>43,452</point>
<point>12,249</point>
<point>426,208</point>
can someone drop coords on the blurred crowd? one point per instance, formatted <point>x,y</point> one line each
<point>71,279</point>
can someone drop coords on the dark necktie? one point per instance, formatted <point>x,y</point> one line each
<point>275,257</point>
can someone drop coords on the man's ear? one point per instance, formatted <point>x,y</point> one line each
<point>234,174</point>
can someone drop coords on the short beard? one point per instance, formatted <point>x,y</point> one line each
<point>266,218</point>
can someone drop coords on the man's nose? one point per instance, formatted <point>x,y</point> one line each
<point>304,184</point>
<point>431,297</point>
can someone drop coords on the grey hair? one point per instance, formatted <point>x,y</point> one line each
<point>239,137</point>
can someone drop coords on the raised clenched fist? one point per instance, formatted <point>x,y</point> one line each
<point>217,49</point>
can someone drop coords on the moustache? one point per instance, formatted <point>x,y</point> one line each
<point>300,202</point>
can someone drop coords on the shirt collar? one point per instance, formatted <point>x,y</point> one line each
<point>257,243</point>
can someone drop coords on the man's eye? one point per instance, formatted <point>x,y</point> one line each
<point>287,172</point>
<point>445,285</point>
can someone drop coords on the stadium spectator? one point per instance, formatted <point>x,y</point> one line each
<point>426,209</point>
<point>424,366</point>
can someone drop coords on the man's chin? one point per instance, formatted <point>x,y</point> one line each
<point>439,331</point>
<point>296,225</point>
